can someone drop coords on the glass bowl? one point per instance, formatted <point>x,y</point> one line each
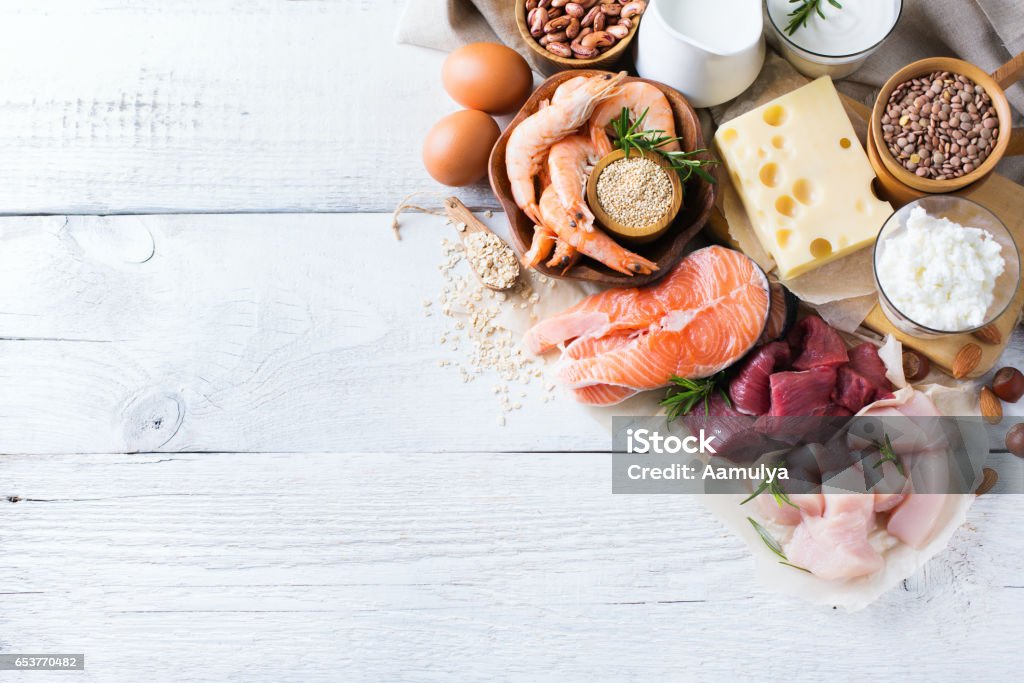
<point>968,214</point>
<point>813,64</point>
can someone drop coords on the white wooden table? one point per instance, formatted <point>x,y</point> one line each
<point>229,451</point>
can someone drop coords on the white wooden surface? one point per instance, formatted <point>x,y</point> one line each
<point>230,453</point>
<point>131,106</point>
<point>431,566</point>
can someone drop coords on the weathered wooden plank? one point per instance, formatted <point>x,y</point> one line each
<point>251,333</point>
<point>248,333</point>
<point>373,566</point>
<point>213,105</point>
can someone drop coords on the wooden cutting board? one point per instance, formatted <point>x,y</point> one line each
<point>1004,198</point>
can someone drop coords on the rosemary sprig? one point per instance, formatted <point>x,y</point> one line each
<point>808,8</point>
<point>772,487</point>
<point>888,455</point>
<point>629,136</point>
<point>687,393</point>
<point>773,545</point>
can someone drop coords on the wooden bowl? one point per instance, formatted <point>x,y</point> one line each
<point>955,66</point>
<point>629,233</point>
<point>888,188</point>
<point>553,63</point>
<point>669,249</point>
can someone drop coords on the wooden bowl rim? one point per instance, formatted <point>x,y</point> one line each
<point>604,58</point>
<point>960,67</point>
<point>701,210</point>
<point>897,193</point>
<point>648,233</point>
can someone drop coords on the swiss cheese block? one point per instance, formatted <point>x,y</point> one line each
<point>804,179</point>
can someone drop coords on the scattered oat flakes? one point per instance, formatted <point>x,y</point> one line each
<point>490,350</point>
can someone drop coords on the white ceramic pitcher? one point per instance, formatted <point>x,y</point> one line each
<point>709,51</point>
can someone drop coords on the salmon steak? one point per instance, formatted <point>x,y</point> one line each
<point>701,318</point>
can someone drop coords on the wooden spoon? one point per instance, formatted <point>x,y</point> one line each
<point>467,224</point>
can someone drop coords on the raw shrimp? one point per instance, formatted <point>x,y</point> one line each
<point>569,163</point>
<point>636,97</point>
<point>595,243</point>
<point>531,140</point>
<point>541,246</point>
<point>565,256</point>
<point>567,87</point>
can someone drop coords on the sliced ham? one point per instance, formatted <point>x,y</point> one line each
<point>835,545</point>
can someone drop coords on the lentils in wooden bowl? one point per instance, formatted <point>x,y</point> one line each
<point>923,71</point>
<point>940,125</point>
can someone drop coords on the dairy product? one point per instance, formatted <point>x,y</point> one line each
<point>723,26</point>
<point>803,177</point>
<point>938,273</point>
<point>859,25</point>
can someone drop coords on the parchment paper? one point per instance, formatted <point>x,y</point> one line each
<point>843,291</point>
<point>901,560</point>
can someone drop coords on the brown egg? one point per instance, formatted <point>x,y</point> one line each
<point>487,76</point>
<point>456,149</point>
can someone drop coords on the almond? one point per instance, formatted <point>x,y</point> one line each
<point>989,477</point>
<point>991,407</point>
<point>989,334</point>
<point>966,360</point>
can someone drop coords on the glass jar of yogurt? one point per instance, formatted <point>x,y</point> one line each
<point>837,44</point>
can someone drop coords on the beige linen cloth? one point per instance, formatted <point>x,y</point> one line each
<point>985,32</point>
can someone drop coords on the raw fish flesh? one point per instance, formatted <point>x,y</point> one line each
<point>800,393</point>
<point>749,390</point>
<point>853,391</point>
<point>817,344</point>
<point>864,359</point>
<point>702,317</point>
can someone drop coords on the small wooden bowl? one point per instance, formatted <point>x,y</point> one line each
<point>887,187</point>
<point>628,233</point>
<point>956,66</point>
<point>666,251</point>
<point>554,63</point>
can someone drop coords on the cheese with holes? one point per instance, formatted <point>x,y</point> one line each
<point>804,179</point>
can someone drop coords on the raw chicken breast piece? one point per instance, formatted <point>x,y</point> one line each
<point>835,545</point>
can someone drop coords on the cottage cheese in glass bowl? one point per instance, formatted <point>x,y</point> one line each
<point>945,265</point>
